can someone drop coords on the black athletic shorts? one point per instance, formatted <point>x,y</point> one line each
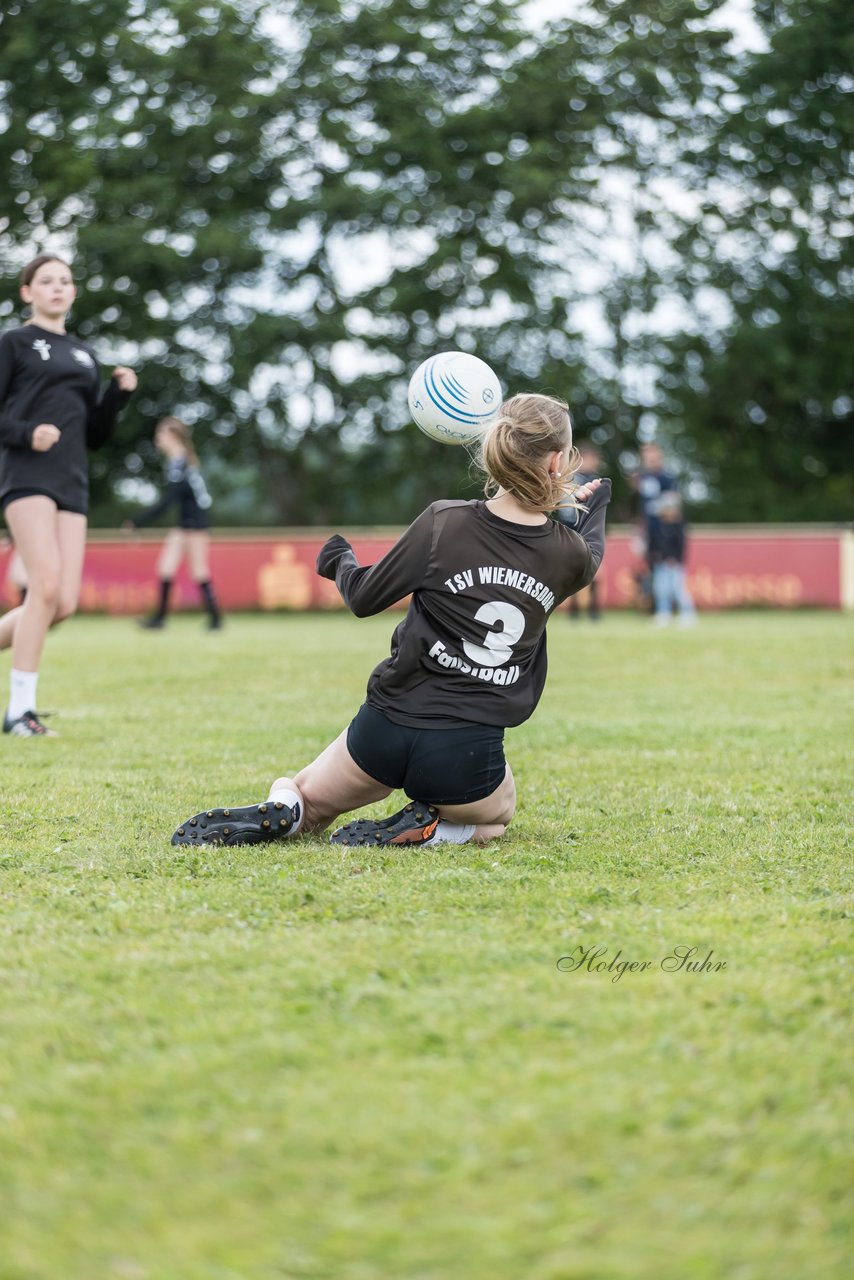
<point>438,766</point>
<point>14,494</point>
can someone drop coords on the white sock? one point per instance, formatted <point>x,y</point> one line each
<point>292,798</point>
<point>451,833</point>
<point>22,692</point>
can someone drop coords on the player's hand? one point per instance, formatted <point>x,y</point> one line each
<point>126,378</point>
<point>330,554</point>
<point>44,437</point>
<point>585,491</point>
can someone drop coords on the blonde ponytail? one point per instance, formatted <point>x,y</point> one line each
<point>513,449</point>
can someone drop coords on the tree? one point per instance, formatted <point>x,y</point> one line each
<point>282,209</point>
<point>767,400</point>
<point>471,154</point>
<point>134,141</point>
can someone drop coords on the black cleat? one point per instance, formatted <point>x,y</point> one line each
<point>415,823</point>
<point>252,824</point>
<point>152,624</point>
<point>27,726</point>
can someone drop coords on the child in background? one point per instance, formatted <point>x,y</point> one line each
<point>667,545</point>
<point>185,489</point>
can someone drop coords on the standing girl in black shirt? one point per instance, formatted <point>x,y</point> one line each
<point>51,412</point>
<point>467,661</point>
<point>185,489</point>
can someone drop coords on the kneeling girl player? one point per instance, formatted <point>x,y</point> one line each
<point>467,661</point>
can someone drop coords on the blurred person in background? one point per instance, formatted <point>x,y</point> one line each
<point>649,482</point>
<point>51,411</point>
<point>590,469</point>
<point>640,570</point>
<point>667,551</point>
<point>185,490</point>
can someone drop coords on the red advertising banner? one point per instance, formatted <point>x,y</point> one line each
<point>274,569</point>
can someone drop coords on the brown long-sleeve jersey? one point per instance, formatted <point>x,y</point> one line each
<point>472,647</point>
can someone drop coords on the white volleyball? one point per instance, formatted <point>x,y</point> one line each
<point>453,397</point>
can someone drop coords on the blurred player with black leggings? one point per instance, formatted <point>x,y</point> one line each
<point>185,490</point>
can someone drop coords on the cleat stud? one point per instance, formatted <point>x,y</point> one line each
<point>283,822</point>
<point>225,831</point>
<point>278,805</point>
<point>226,813</point>
<point>210,813</point>
<point>265,824</point>
<point>262,808</point>
<point>192,822</point>
<point>180,831</point>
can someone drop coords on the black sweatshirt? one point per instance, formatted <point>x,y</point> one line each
<point>667,543</point>
<point>52,377</point>
<point>185,489</point>
<point>472,647</point>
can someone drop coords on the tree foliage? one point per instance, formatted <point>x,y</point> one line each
<point>134,141</point>
<point>766,403</point>
<point>278,210</point>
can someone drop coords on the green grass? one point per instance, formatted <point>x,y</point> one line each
<point>312,1062</point>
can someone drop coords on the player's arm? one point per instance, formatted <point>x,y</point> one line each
<point>370,589</point>
<point>591,527</point>
<point>102,419</point>
<point>171,495</point>
<point>12,431</point>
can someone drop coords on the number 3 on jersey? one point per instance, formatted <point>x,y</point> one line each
<point>498,645</point>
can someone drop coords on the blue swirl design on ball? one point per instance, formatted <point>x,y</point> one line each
<point>450,396</point>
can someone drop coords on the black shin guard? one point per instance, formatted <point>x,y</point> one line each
<point>165,592</point>
<point>207,593</point>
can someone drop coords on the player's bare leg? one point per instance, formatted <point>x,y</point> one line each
<point>52,544</point>
<point>334,784</point>
<point>171,554</point>
<point>168,563</point>
<point>198,562</point>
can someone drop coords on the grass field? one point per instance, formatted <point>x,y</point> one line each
<point>309,1062</point>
